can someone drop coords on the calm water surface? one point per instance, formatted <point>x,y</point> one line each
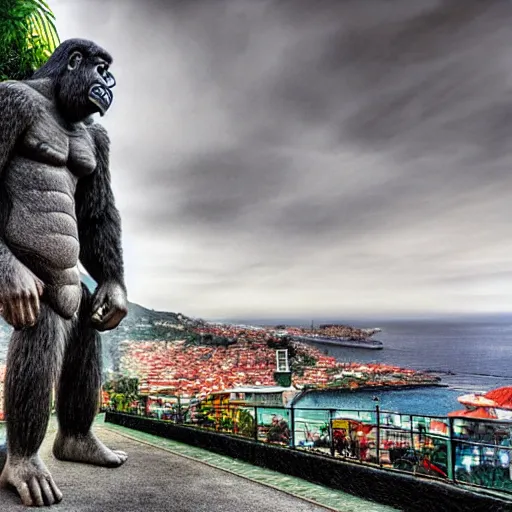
<point>469,356</point>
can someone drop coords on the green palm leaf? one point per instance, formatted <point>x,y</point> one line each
<point>27,37</point>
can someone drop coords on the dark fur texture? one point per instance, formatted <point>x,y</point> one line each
<point>80,378</point>
<point>52,349</point>
<point>99,223</point>
<point>33,359</point>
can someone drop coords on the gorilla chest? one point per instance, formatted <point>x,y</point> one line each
<point>48,143</point>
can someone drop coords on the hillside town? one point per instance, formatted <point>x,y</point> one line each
<point>193,358</point>
<point>220,357</point>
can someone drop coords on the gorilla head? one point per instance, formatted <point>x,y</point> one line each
<point>80,77</point>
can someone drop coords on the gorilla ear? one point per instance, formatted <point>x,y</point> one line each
<point>75,60</point>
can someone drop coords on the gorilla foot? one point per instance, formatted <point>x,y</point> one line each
<point>88,449</point>
<point>32,481</point>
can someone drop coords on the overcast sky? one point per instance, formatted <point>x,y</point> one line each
<point>310,158</point>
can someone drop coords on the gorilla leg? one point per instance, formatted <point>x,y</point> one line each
<point>33,361</point>
<point>78,395</point>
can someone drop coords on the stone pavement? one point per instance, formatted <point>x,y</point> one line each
<point>164,479</point>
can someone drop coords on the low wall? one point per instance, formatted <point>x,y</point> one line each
<point>402,491</point>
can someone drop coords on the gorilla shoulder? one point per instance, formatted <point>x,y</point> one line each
<point>100,135</point>
<point>18,98</point>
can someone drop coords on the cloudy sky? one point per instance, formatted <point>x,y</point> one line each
<point>298,158</point>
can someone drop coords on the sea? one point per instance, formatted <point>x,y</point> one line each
<point>470,354</point>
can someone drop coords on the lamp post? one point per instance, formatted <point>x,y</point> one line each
<point>377,415</point>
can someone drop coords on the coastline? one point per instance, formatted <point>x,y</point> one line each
<point>380,388</point>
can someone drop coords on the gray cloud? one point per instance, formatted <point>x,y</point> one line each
<point>299,157</point>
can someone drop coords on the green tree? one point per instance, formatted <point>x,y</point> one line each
<point>28,37</point>
<point>246,424</point>
<point>122,391</point>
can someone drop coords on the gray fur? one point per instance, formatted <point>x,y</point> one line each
<point>56,207</point>
<point>34,352</point>
<point>77,392</point>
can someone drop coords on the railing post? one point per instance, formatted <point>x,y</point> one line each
<point>450,451</point>
<point>292,425</point>
<point>256,424</point>
<point>412,432</point>
<point>377,450</point>
<point>331,431</point>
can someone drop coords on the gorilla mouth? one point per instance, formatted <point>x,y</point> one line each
<point>102,97</point>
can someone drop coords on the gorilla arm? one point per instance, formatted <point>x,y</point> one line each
<point>99,229</point>
<point>20,289</point>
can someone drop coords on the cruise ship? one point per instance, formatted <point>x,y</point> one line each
<point>342,342</point>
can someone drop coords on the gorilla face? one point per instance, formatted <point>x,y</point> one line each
<point>100,92</point>
<point>77,75</point>
<point>86,87</point>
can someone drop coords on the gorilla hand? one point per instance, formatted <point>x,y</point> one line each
<point>109,306</point>
<point>20,290</point>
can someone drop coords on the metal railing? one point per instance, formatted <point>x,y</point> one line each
<point>467,451</point>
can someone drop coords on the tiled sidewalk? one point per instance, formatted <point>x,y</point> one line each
<point>330,498</point>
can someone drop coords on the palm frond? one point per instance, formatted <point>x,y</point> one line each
<point>28,37</point>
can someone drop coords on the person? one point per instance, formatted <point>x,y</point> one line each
<point>340,441</point>
<point>278,431</point>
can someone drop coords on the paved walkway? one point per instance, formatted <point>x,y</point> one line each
<point>166,476</point>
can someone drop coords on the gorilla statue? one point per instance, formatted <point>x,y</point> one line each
<point>56,209</point>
